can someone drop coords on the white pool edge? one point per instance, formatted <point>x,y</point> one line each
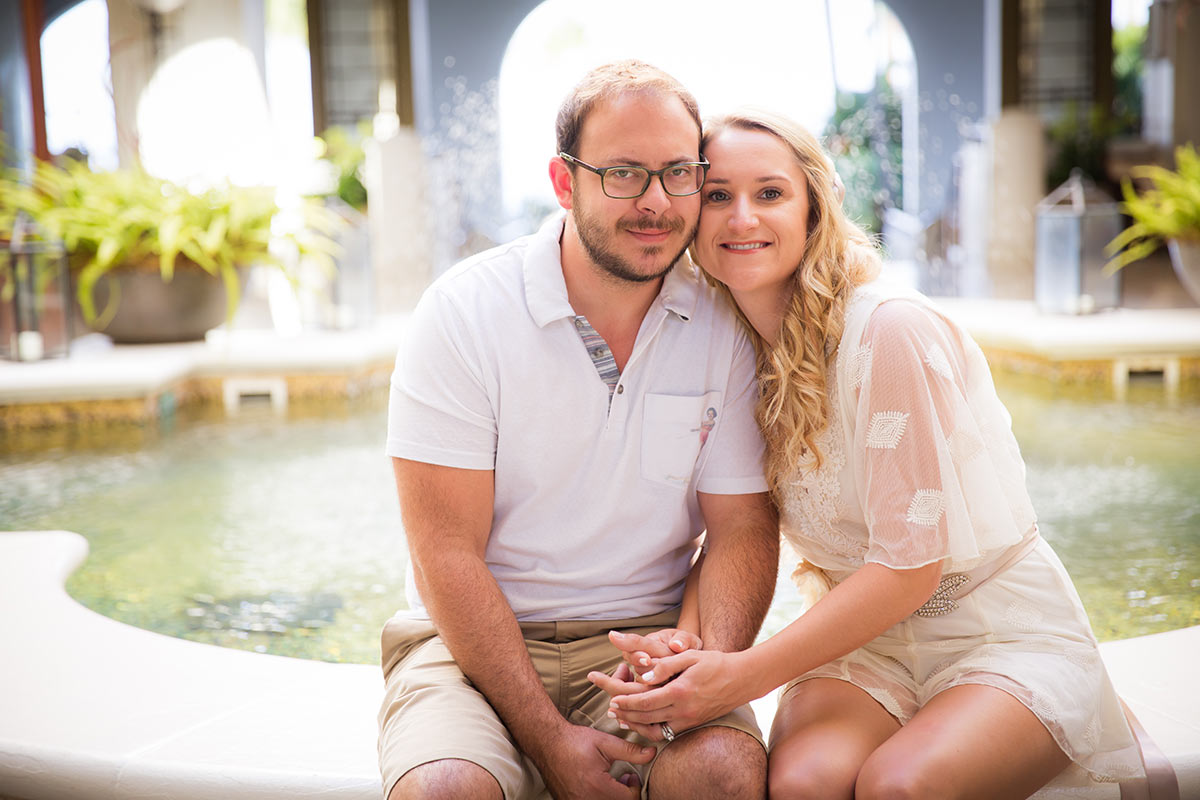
<point>94,708</point>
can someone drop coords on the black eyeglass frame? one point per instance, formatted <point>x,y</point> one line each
<point>650,175</point>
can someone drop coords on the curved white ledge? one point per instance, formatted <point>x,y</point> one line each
<point>90,707</point>
<point>95,708</point>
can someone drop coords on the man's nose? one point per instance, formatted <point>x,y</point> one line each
<point>655,199</point>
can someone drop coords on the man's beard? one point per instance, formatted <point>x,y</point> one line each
<point>597,242</point>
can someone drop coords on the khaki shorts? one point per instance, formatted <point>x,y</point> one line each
<point>417,725</point>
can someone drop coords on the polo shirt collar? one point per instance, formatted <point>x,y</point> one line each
<point>546,289</point>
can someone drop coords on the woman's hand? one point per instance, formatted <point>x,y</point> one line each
<point>703,685</point>
<point>639,651</point>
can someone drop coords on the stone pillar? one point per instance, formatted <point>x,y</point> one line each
<point>16,111</point>
<point>1018,183</point>
<point>401,243</point>
<point>1186,58</point>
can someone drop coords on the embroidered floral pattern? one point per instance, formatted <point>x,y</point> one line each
<point>1022,615</point>
<point>935,358</point>
<point>926,507</point>
<point>964,446</point>
<point>812,503</point>
<point>886,429</point>
<point>1044,706</point>
<point>860,365</point>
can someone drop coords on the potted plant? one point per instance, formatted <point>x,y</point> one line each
<point>152,260</point>
<point>1168,212</point>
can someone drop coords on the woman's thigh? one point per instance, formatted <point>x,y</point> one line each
<point>970,741</point>
<point>824,730</point>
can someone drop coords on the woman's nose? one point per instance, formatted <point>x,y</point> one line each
<point>742,216</point>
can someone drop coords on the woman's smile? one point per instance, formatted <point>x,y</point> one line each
<point>753,217</point>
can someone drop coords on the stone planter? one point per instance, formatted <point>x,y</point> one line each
<point>151,310</point>
<point>1185,258</point>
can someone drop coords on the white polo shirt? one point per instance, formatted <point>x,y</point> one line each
<point>596,514</point>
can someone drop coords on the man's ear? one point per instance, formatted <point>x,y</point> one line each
<point>560,179</point>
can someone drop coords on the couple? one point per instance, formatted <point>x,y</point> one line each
<point>575,542</point>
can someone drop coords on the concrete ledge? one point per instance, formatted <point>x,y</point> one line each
<point>97,371</point>
<point>1017,325</point>
<point>93,708</point>
<point>97,709</point>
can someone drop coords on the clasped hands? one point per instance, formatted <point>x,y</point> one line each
<point>668,683</point>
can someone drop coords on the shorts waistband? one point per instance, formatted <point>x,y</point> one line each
<point>571,630</point>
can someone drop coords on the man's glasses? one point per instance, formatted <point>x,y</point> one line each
<point>625,182</point>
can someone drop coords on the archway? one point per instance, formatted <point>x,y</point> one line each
<point>812,56</point>
<point>458,48</point>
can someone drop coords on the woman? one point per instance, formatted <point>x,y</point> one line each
<point>952,657</point>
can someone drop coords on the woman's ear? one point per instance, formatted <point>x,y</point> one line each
<point>560,179</point>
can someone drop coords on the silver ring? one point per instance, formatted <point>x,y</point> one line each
<point>667,733</point>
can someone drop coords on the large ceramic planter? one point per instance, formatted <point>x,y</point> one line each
<point>1185,257</point>
<point>151,310</point>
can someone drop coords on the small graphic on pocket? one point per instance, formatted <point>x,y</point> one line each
<point>707,424</point>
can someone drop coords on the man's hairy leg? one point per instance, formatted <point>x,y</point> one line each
<point>715,763</point>
<point>448,779</point>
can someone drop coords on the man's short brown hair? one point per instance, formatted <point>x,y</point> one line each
<point>611,80</point>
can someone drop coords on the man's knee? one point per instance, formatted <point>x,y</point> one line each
<point>715,762</point>
<point>445,780</point>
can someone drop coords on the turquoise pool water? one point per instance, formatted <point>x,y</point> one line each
<point>282,534</point>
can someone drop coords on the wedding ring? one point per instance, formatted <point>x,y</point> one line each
<point>667,733</point>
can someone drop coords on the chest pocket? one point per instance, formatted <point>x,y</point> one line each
<point>675,429</point>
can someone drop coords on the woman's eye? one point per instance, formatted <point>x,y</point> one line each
<point>772,194</point>
<point>716,196</point>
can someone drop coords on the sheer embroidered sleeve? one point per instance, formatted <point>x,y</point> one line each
<point>924,449</point>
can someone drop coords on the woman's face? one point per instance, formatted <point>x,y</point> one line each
<point>754,215</point>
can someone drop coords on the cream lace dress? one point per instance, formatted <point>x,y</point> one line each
<point>920,465</point>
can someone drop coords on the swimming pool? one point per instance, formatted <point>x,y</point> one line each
<point>282,534</point>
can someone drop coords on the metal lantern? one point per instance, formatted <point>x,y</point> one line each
<point>35,297</point>
<point>1074,223</point>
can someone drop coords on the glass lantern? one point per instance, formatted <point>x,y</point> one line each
<point>35,297</point>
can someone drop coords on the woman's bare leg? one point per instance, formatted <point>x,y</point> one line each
<point>970,741</point>
<point>823,732</point>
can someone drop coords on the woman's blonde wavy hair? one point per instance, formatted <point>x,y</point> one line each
<point>793,405</point>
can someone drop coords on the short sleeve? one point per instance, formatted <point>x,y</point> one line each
<point>439,409</point>
<point>916,441</point>
<point>734,461</point>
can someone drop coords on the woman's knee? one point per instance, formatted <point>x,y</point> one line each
<point>889,779</point>
<point>816,776</point>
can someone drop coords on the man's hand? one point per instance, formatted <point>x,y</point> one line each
<point>640,651</point>
<point>577,762</point>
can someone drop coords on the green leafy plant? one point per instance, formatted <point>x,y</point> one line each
<point>130,219</point>
<point>342,147</point>
<point>1168,210</point>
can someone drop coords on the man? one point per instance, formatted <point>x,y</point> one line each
<point>553,486</point>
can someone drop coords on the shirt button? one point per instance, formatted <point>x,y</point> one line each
<point>620,388</point>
